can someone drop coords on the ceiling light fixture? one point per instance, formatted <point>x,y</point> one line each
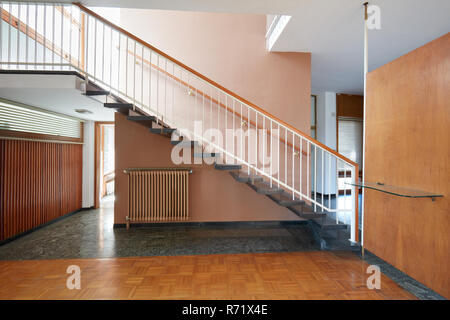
<point>83,111</point>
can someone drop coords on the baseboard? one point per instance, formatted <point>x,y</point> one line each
<point>3,242</point>
<point>212,224</point>
<point>405,281</point>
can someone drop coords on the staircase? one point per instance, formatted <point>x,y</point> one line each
<point>151,88</point>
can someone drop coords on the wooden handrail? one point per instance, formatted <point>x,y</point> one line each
<point>213,83</point>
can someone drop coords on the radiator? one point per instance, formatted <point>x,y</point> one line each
<point>156,195</point>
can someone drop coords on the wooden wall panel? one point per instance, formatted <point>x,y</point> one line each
<point>349,105</point>
<point>408,145</point>
<point>39,182</point>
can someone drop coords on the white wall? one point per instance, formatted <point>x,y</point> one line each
<point>326,133</point>
<point>88,165</point>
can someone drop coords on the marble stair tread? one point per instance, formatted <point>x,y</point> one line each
<point>263,187</point>
<point>328,223</point>
<point>244,177</point>
<point>298,210</point>
<point>145,120</point>
<point>218,166</point>
<point>285,200</point>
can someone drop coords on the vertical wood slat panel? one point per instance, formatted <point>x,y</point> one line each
<point>158,195</point>
<point>39,182</point>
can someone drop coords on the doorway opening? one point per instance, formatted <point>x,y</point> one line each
<point>104,163</point>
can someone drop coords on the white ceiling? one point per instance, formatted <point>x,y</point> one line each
<point>58,93</point>
<point>332,30</point>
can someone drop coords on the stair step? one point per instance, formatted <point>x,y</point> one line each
<point>227,166</point>
<point>243,177</point>
<point>123,108</point>
<point>118,105</point>
<point>145,120</point>
<point>97,93</point>
<point>183,143</point>
<point>206,155</point>
<point>162,130</point>
<point>329,224</point>
<point>341,244</point>
<point>264,188</point>
<point>285,200</point>
<point>299,211</point>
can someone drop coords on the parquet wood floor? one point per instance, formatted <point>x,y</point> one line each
<point>299,275</point>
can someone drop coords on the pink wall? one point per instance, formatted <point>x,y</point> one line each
<point>213,195</point>
<point>230,49</point>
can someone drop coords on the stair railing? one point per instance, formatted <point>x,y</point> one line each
<point>70,37</point>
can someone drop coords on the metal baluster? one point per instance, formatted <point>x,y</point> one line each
<point>18,36</point>
<point>285,155</point>
<point>81,26</point>
<point>203,113</point>
<point>134,76</point>
<point>322,169</point>
<point>45,36</point>
<point>70,36</point>
<point>62,33</point>
<point>95,49</point>
<point>241,140</point>
<point>126,67</point>
<point>315,178</point>
<point>308,171</point>
<point>27,21</point>
<point>256,144</point>
<point>337,188</point>
<point>118,65</point>
<point>271,152</point>
<point>232,145</point>
<point>110,57</point>
<point>278,155</point>
<point>150,82</point>
<point>165,88</point>
<point>248,140</point>
<point>210,108</point>
<point>86,69</point>
<point>264,144</point>
<point>218,110</point>
<point>345,188</point>
<point>293,166</point>
<point>103,53</point>
<point>1,33</point>
<point>301,170</point>
<point>157,86</point>
<point>53,37</point>
<point>173,91</point>
<point>329,180</point>
<point>35,35</point>
<point>142,77</point>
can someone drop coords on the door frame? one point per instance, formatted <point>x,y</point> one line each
<point>98,146</point>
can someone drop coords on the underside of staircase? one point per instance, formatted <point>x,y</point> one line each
<point>329,234</point>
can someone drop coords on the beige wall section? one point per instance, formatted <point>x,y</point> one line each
<point>213,195</point>
<point>230,49</point>
<point>408,145</point>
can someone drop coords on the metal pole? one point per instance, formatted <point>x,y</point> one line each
<point>366,58</point>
